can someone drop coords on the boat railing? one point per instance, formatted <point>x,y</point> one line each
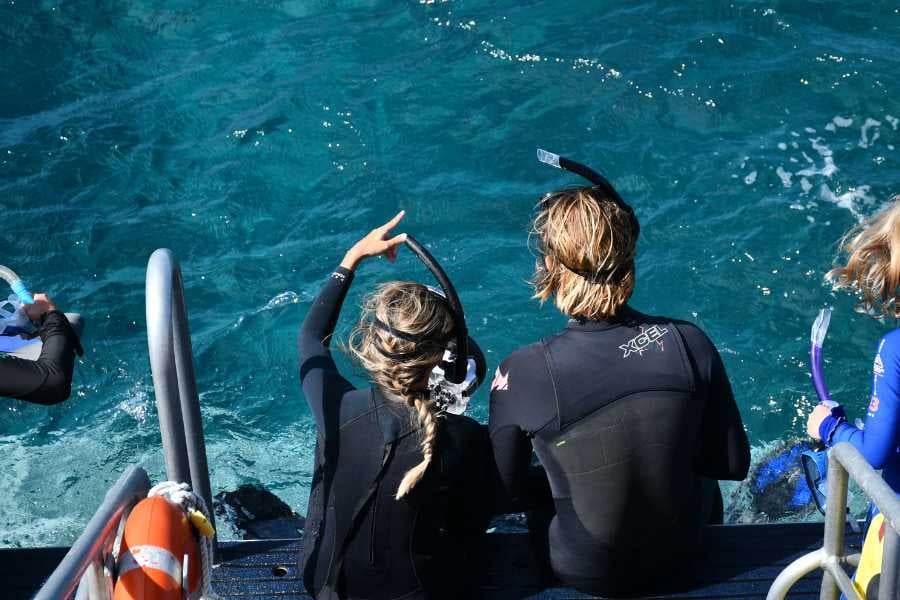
<point>85,565</point>
<point>846,462</point>
<point>172,365</point>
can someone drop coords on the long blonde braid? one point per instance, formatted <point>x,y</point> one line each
<point>398,366</point>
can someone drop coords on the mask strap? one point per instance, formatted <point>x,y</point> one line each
<point>409,337</point>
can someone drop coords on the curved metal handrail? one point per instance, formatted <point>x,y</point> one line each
<point>844,462</point>
<point>97,537</point>
<point>172,364</point>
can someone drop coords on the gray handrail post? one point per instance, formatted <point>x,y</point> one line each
<point>845,462</point>
<point>96,538</point>
<point>172,364</point>
<point>835,521</point>
<point>890,565</point>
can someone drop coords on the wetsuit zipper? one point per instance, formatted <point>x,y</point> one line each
<point>372,532</point>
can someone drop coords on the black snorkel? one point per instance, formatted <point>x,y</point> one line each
<point>463,368</point>
<point>455,372</point>
<point>600,182</point>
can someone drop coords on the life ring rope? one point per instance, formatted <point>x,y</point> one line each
<point>180,494</point>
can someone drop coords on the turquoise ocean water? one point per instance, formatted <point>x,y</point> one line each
<point>258,140</point>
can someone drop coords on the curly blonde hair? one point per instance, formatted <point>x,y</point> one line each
<point>398,310</point>
<point>872,268</point>
<point>589,243</point>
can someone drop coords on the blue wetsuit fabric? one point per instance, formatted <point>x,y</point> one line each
<point>879,442</point>
<point>422,546</point>
<point>633,420</point>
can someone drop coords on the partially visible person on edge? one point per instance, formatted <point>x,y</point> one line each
<point>873,270</point>
<point>632,416</point>
<point>45,378</point>
<point>401,490</point>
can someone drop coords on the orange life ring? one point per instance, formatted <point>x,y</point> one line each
<point>157,537</point>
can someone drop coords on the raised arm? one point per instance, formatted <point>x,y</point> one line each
<point>318,373</point>
<point>47,380</point>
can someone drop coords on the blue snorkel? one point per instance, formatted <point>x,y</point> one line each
<point>15,282</point>
<point>817,340</point>
<point>815,462</point>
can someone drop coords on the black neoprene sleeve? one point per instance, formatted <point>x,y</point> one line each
<point>319,375</point>
<point>47,380</point>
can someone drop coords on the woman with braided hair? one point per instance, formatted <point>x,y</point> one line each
<point>401,489</point>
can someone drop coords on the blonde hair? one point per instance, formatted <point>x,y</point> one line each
<point>590,242</point>
<point>398,365</point>
<point>873,262</point>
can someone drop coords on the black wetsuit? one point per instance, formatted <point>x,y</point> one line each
<point>633,420</point>
<point>47,380</point>
<point>422,546</point>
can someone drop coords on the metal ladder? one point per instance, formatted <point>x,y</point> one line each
<point>844,462</point>
<point>86,570</point>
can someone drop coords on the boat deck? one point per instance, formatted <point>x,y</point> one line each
<point>742,562</point>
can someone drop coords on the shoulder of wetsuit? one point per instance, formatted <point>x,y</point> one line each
<point>694,337</point>
<point>465,427</point>
<point>524,355</point>
<point>890,342</point>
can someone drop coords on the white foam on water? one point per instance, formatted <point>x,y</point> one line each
<point>850,199</point>
<point>280,300</point>
<point>842,121</point>
<point>830,127</point>
<point>782,146</point>
<point>785,176</point>
<point>894,121</point>
<point>819,147</point>
<point>805,185</point>
<point>751,178</point>
<point>864,141</point>
<point>828,169</point>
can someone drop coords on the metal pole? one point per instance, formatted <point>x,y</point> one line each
<point>794,572</point>
<point>889,587</point>
<point>190,400</point>
<point>131,487</point>
<point>162,363</point>
<point>835,520</point>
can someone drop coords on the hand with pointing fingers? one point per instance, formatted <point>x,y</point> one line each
<point>378,242</point>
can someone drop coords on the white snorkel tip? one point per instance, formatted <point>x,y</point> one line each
<point>548,158</point>
<point>820,327</point>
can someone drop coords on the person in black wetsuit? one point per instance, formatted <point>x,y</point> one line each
<point>631,415</point>
<point>48,379</point>
<point>400,491</point>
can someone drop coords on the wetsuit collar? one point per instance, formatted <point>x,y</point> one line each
<point>625,314</point>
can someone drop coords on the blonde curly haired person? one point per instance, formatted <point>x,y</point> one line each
<point>870,268</point>
<point>400,489</point>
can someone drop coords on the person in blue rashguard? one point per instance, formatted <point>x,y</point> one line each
<point>873,270</point>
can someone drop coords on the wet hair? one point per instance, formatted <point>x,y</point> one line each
<point>872,267</point>
<point>400,338</point>
<point>590,242</point>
